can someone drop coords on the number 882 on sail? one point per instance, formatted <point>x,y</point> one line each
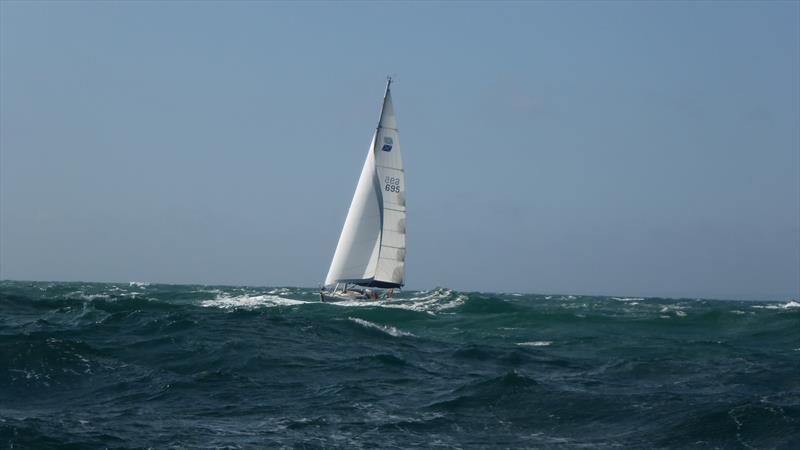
<point>391,184</point>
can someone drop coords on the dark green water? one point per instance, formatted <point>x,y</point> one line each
<point>118,365</point>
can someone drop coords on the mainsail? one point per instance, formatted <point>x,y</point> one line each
<point>372,247</point>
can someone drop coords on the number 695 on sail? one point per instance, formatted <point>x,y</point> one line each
<point>391,184</point>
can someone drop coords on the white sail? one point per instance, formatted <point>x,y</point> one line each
<point>372,247</point>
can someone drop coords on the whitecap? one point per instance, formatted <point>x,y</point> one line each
<point>132,294</point>
<point>436,294</point>
<point>278,291</point>
<point>628,299</point>
<point>388,329</point>
<point>677,309</point>
<point>535,343</point>
<point>789,304</point>
<point>428,303</point>
<point>356,303</point>
<point>80,295</point>
<point>249,301</point>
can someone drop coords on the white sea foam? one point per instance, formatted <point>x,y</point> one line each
<point>535,343</point>
<point>249,301</point>
<point>436,294</point>
<point>433,301</point>
<point>388,329</point>
<point>677,309</point>
<point>458,301</point>
<point>279,291</point>
<point>628,299</point>
<point>139,284</point>
<point>789,304</point>
<point>132,294</point>
<point>80,295</point>
<point>430,302</point>
<point>355,303</point>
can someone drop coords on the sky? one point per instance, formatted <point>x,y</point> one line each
<point>607,148</point>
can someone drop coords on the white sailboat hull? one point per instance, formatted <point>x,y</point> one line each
<point>343,296</point>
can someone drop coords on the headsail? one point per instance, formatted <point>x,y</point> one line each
<point>372,247</point>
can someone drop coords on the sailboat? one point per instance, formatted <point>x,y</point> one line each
<point>370,256</point>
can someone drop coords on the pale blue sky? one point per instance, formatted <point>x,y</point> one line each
<point>591,148</point>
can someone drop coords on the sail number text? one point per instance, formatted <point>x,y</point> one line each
<point>391,184</point>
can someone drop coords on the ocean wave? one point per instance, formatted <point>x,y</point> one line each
<point>428,302</point>
<point>504,391</point>
<point>438,299</point>
<point>678,310</point>
<point>249,301</point>
<point>280,291</point>
<point>49,360</point>
<point>628,299</point>
<point>387,359</point>
<point>432,294</point>
<point>92,365</point>
<point>485,304</point>
<point>388,329</point>
<point>535,343</point>
<point>788,305</point>
<point>431,306</point>
<point>80,295</point>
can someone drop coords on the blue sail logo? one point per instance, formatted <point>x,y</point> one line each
<point>387,144</point>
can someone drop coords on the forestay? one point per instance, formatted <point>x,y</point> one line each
<point>372,246</point>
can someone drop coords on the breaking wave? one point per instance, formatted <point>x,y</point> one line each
<point>249,301</point>
<point>388,329</point>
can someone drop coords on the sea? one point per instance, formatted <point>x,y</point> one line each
<point>139,365</point>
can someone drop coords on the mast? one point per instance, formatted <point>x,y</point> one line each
<point>371,248</point>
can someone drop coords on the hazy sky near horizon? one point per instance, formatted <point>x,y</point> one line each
<point>589,148</point>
